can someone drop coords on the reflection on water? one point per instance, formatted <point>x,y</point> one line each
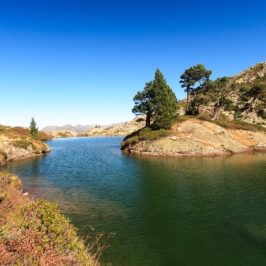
<point>165,211</point>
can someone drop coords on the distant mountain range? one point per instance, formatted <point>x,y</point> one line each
<point>77,129</point>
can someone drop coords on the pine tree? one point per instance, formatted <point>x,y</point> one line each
<point>158,102</point>
<point>33,129</point>
<point>164,102</point>
<point>195,75</point>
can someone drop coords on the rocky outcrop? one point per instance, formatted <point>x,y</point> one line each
<point>118,130</point>
<point>195,137</point>
<point>16,144</point>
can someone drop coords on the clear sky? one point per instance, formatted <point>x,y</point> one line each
<point>82,62</point>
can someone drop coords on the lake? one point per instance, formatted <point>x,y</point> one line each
<point>163,211</point>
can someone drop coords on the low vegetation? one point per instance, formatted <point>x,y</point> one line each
<point>23,144</point>
<point>144,134</point>
<point>35,233</point>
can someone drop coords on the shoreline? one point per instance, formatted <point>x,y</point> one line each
<point>196,155</point>
<point>22,158</point>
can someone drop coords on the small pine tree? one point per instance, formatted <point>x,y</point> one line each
<point>33,129</point>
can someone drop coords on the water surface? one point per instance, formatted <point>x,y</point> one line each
<point>164,211</point>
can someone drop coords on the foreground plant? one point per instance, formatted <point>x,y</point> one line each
<point>37,234</point>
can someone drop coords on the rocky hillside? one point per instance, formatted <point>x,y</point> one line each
<point>240,97</point>
<point>117,130</point>
<point>249,101</point>
<point>256,72</point>
<point>195,137</point>
<point>16,143</point>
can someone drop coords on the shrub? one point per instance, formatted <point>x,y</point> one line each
<point>40,235</point>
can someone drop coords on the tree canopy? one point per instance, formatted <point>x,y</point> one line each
<point>144,103</point>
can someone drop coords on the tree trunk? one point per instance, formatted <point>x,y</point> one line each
<point>148,120</point>
<point>188,100</point>
<point>217,111</point>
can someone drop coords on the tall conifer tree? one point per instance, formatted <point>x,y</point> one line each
<point>158,102</point>
<point>165,105</point>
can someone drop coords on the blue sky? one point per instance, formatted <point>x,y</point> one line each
<point>82,62</point>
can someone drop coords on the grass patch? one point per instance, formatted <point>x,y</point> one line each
<point>142,135</point>
<point>184,118</point>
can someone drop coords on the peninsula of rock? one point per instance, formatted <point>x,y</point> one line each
<point>196,137</point>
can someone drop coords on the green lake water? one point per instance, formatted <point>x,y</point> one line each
<point>164,211</point>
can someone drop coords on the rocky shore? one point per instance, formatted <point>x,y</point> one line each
<point>195,137</point>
